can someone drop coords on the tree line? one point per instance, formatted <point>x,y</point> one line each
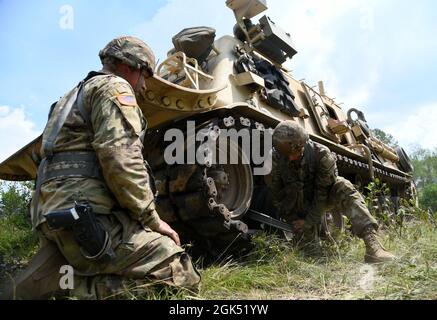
<point>425,170</point>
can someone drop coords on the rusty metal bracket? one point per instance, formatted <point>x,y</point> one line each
<point>236,225</point>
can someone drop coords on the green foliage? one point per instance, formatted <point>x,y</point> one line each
<point>425,176</point>
<point>383,208</point>
<point>428,197</point>
<point>14,197</point>
<point>379,203</point>
<point>425,167</point>
<point>385,137</point>
<point>17,241</point>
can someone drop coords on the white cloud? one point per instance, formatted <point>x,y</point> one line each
<point>350,70</point>
<point>179,14</point>
<point>418,127</point>
<point>15,130</point>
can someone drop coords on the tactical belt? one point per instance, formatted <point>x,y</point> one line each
<point>85,165</point>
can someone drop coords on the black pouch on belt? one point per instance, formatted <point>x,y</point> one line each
<point>88,232</point>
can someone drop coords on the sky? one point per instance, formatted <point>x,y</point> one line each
<point>379,56</point>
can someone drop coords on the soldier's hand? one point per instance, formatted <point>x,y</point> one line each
<point>165,229</point>
<point>298,225</point>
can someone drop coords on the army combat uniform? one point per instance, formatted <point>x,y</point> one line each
<point>305,184</point>
<point>307,188</point>
<point>98,159</point>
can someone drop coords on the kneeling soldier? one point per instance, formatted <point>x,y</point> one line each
<point>93,206</point>
<point>305,184</point>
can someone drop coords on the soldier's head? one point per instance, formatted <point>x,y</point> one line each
<point>129,58</point>
<point>289,139</point>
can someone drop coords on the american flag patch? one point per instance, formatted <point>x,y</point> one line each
<point>127,100</point>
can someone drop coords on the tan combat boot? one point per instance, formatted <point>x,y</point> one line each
<point>375,252</point>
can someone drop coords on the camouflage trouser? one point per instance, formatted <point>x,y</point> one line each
<point>177,271</point>
<point>345,198</point>
<point>40,279</point>
<point>140,255</point>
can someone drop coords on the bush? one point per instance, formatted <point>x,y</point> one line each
<point>15,197</point>
<point>378,201</point>
<point>17,241</point>
<point>428,197</point>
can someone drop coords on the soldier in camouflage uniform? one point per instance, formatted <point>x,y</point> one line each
<point>305,184</point>
<point>96,157</point>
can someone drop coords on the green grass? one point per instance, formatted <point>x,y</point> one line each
<point>337,274</point>
<point>276,269</point>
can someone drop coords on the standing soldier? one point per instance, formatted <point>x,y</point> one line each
<point>93,198</point>
<point>305,184</point>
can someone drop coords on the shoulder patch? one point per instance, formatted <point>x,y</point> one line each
<point>127,100</point>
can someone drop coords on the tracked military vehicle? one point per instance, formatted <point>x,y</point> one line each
<point>208,86</point>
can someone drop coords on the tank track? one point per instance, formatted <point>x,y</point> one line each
<point>190,198</point>
<point>347,164</point>
<point>210,218</point>
<point>343,162</point>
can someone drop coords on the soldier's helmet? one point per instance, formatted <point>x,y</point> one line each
<point>131,51</point>
<point>289,137</point>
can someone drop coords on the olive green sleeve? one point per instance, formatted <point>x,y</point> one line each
<point>117,124</point>
<point>326,174</point>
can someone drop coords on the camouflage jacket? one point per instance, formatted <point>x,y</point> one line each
<point>116,123</point>
<point>301,188</point>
